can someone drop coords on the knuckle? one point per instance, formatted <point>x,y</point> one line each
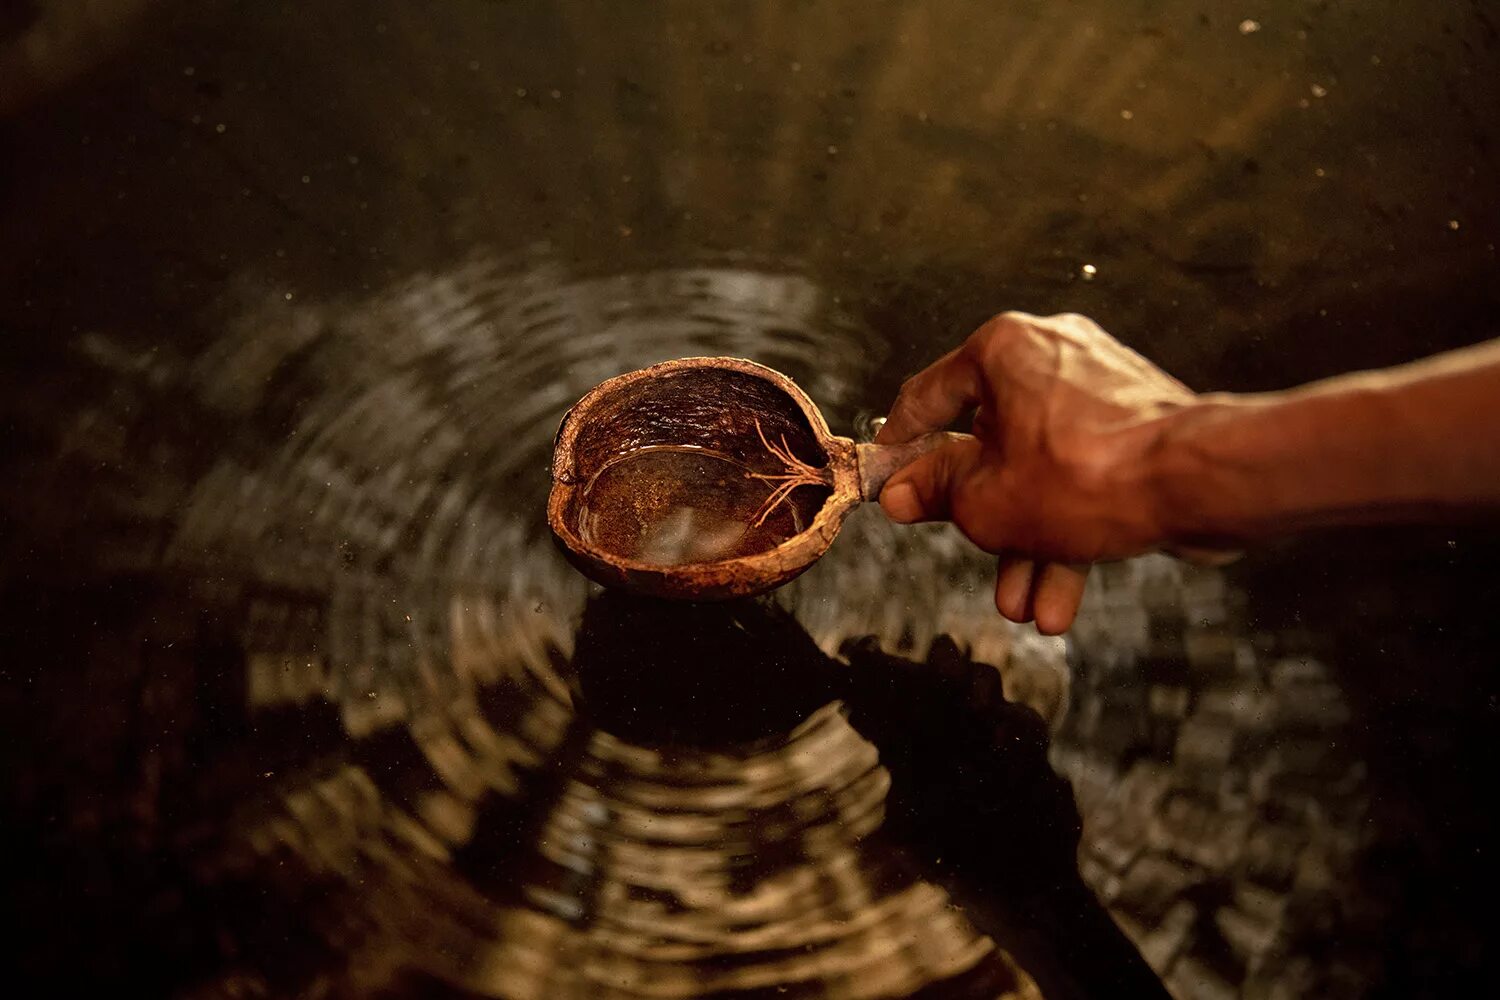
<point>1006,326</point>
<point>996,339</point>
<point>1077,322</point>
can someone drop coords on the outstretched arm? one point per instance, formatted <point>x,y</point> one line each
<point>1086,451</point>
<point>1417,443</point>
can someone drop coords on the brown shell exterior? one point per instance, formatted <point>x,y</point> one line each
<point>710,581</point>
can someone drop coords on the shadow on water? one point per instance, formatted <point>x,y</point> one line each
<point>972,804</point>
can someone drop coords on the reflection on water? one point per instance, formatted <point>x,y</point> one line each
<point>380,720</point>
<point>380,749</point>
<point>374,703</point>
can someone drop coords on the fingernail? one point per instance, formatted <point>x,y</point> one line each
<point>900,503</point>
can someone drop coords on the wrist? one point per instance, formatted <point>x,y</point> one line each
<point>1201,496</point>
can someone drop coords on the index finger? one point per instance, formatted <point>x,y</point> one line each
<point>934,397</point>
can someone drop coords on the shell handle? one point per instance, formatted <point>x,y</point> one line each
<point>878,462</point>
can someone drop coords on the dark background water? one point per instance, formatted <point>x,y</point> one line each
<point>299,700</point>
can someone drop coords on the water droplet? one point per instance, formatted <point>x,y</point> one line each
<point>1249,26</point>
<point>221,128</point>
<point>833,150</point>
<point>1318,90</point>
<point>520,91</point>
<point>1089,272</point>
<point>1453,224</point>
<point>1127,114</point>
<point>306,179</point>
<point>556,94</point>
<point>188,71</point>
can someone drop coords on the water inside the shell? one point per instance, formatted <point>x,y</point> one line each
<point>671,505</point>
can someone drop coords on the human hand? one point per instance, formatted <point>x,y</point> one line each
<point>1058,475</point>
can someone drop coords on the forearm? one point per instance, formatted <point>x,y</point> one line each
<point>1415,443</point>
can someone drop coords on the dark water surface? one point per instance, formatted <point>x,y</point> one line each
<point>298,698</point>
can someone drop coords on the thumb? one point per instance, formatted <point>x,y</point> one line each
<point>923,490</point>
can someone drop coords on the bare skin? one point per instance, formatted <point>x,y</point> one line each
<point>1085,451</point>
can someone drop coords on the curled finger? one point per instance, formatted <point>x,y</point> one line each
<point>1013,586</point>
<point>1056,596</point>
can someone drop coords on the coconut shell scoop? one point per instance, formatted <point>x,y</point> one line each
<point>707,478</point>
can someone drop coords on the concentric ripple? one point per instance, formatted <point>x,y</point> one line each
<point>390,459</point>
<point>378,723</point>
<point>646,876</point>
<point>356,504</point>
